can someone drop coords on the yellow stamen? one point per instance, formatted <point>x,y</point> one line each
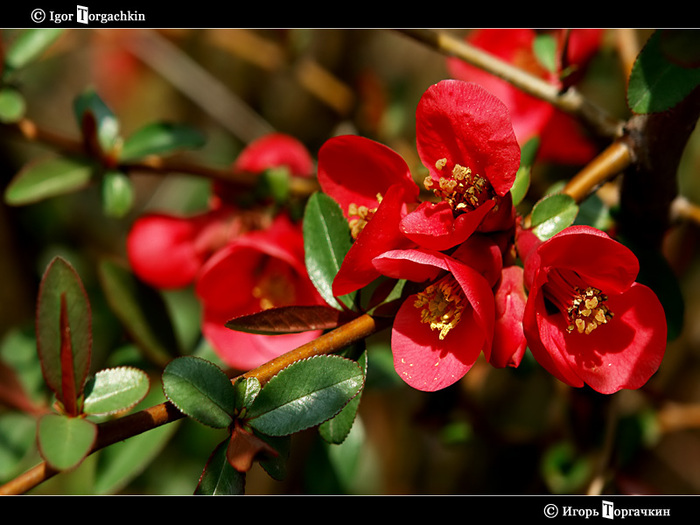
<point>360,216</point>
<point>461,188</point>
<point>442,304</point>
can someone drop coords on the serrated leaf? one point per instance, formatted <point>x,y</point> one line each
<point>245,391</point>
<point>65,441</point>
<point>290,319</point>
<point>141,309</point>
<point>64,332</point>
<point>158,138</point>
<point>305,394</point>
<point>326,242</point>
<point>12,105</point>
<point>114,390</point>
<point>201,390</point>
<point>659,79</point>
<point>48,178</point>
<point>117,194</point>
<point>29,45</point>
<point>552,214</point>
<point>336,429</point>
<point>219,477</point>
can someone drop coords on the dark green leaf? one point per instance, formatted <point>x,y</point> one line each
<point>48,178</point>
<point>661,76</point>
<point>305,394</point>
<point>65,441</point>
<point>29,45</point>
<point>563,470</point>
<point>336,429</point>
<point>245,391</point>
<point>326,242</point>
<point>552,214</point>
<point>117,194</point>
<point>12,105</point>
<point>219,477</point>
<point>141,309</point>
<point>159,138</point>
<point>201,390</point>
<point>64,332</point>
<point>114,390</point>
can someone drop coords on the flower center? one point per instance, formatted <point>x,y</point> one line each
<point>461,188</point>
<point>441,305</point>
<point>583,306</point>
<point>275,287</point>
<point>360,216</point>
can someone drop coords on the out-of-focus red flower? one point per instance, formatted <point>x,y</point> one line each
<point>586,319</point>
<point>561,139</point>
<point>466,141</point>
<point>374,188</point>
<point>258,270</point>
<point>167,250</point>
<point>439,332</point>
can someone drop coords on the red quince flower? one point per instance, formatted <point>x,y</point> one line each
<point>374,188</point>
<point>509,342</point>
<point>466,141</point>
<point>167,250</point>
<point>256,271</point>
<point>586,319</point>
<point>439,332</point>
<point>561,139</point>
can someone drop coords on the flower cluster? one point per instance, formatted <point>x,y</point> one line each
<point>239,260</point>
<point>480,283</point>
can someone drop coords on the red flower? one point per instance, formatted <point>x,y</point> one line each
<point>439,332</point>
<point>256,271</point>
<point>561,140</point>
<point>509,342</point>
<point>465,139</point>
<point>374,187</point>
<point>586,319</point>
<point>167,250</point>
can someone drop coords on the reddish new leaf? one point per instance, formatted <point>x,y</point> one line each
<point>290,319</point>
<point>64,333</point>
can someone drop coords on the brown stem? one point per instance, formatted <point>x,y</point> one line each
<point>569,101</point>
<point>116,430</point>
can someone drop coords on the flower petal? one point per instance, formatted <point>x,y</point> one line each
<point>466,124</point>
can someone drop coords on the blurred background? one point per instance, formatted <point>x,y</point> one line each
<point>496,432</point>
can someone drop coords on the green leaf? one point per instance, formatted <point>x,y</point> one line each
<point>522,177</point>
<point>245,391</point>
<point>12,105</point>
<point>219,477</point>
<point>141,309</point>
<point>48,178</point>
<point>65,441</point>
<point>90,110</point>
<point>326,242</point>
<point>64,332</point>
<point>563,470</point>
<point>18,431</point>
<point>336,429</point>
<point>201,390</point>
<point>305,394</point>
<point>29,45</point>
<point>117,194</point>
<point>273,184</point>
<point>114,390</point>
<point>158,138</point>
<point>545,49</point>
<point>552,214</point>
<point>662,75</point>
